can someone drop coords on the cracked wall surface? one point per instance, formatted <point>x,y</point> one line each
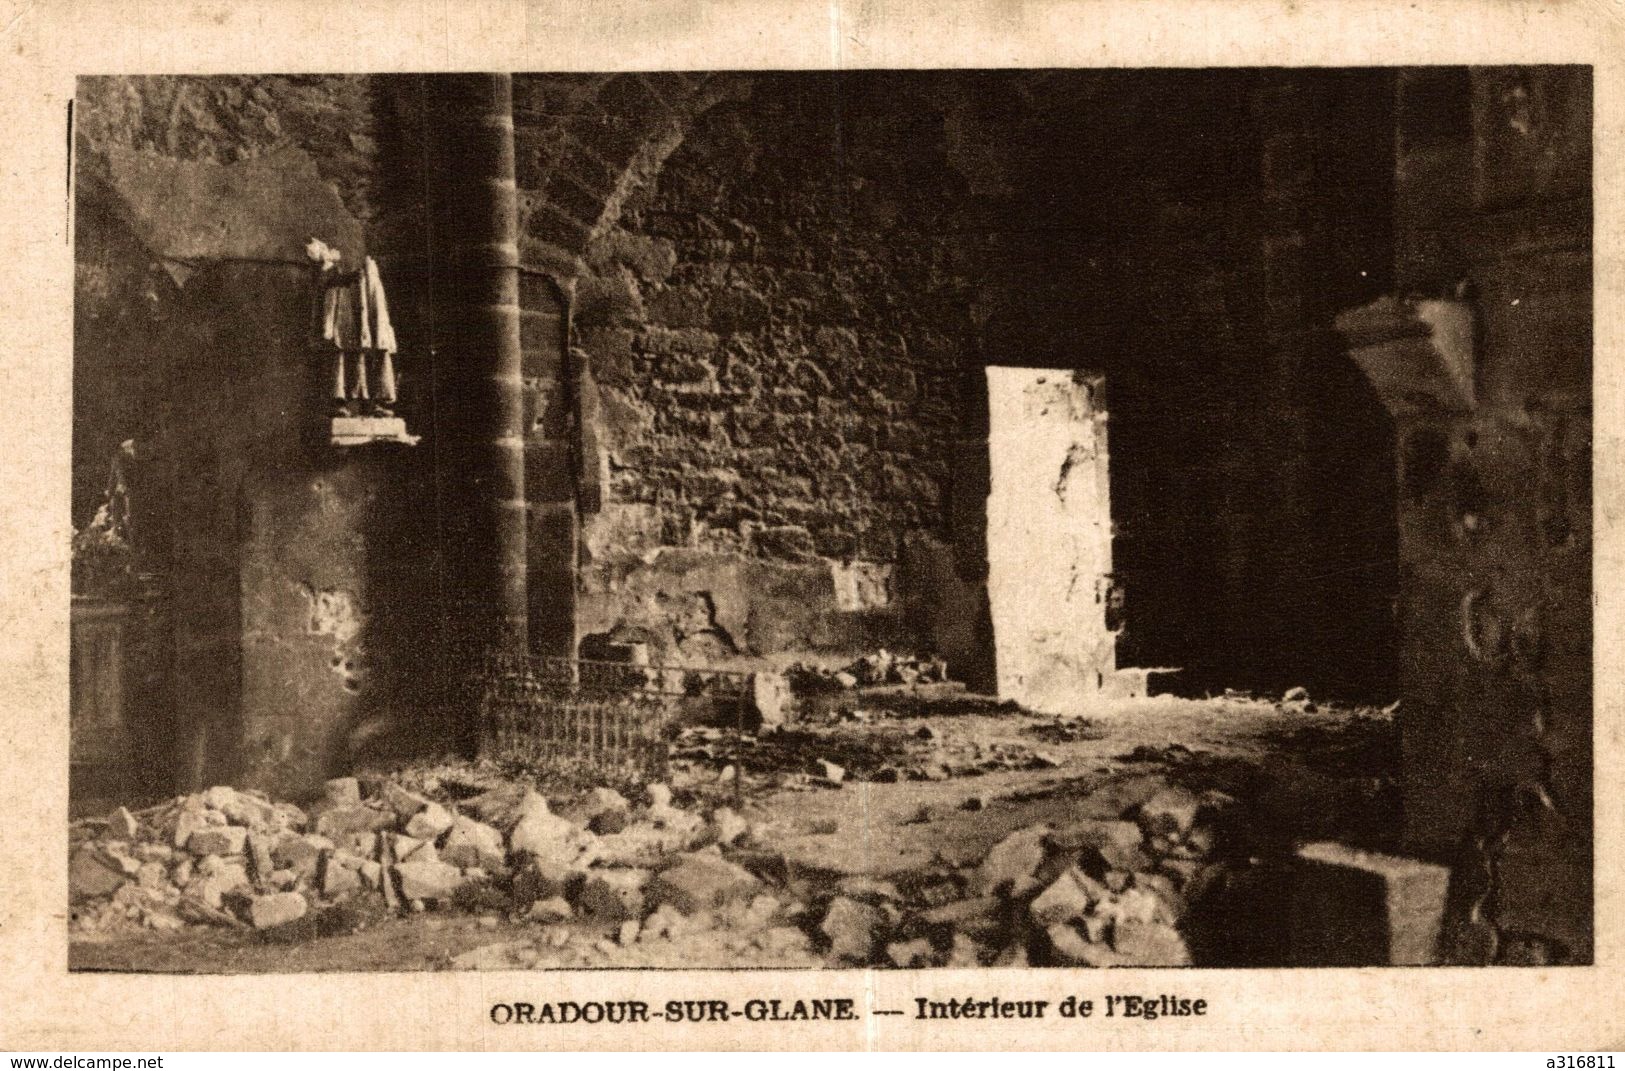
<point>1495,509</point>
<point>195,199</point>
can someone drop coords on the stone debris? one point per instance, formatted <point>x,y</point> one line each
<point>427,879</point>
<point>1113,886</point>
<point>613,895</point>
<point>277,909</point>
<point>230,857</point>
<point>700,881</point>
<point>853,929</point>
<point>883,667</point>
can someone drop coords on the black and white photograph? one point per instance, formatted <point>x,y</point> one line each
<point>903,519</point>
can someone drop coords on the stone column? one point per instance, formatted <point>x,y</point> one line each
<point>478,400</point>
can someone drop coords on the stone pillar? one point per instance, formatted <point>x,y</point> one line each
<point>479,387</point>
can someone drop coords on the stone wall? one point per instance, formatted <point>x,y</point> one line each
<point>1494,193</point>
<point>786,322</point>
<point>776,328</point>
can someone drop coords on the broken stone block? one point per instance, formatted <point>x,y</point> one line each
<point>665,921</point>
<point>245,809</point>
<point>547,836</point>
<point>405,804</point>
<point>1197,843</point>
<point>472,843</point>
<point>542,879</point>
<point>965,952</point>
<point>702,882</point>
<point>727,826</point>
<point>276,909</point>
<point>1071,947</point>
<point>685,824</point>
<point>261,863</point>
<point>297,853</point>
<point>829,771</point>
<point>657,795</point>
<point>338,823</point>
<point>1115,842</point>
<point>1357,908</point>
<point>1150,944</point>
<point>371,872</point>
<point>1010,867</point>
<point>342,792</point>
<point>603,799</point>
<point>429,822</point>
<point>853,930</point>
<point>758,913</point>
<point>162,920</point>
<point>608,822</point>
<point>92,874</point>
<point>770,698</point>
<point>915,953</point>
<point>218,840</point>
<point>118,852</point>
<point>628,933</point>
<point>613,895</point>
<point>188,821</point>
<point>551,909</point>
<point>1168,813</point>
<point>1135,905</point>
<point>121,823</point>
<point>152,876</point>
<point>181,872</point>
<point>959,912</point>
<point>427,879</point>
<point>1066,898</point>
<point>1163,887</point>
<point>339,881</point>
<point>219,797</point>
<point>502,806</point>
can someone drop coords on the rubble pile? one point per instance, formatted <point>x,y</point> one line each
<point>232,857</point>
<point>1098,892</point>
<point>880,668</point>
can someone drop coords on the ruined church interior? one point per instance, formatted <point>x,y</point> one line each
<point>938,518</point>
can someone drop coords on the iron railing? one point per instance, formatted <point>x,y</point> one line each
<point>607,722</point>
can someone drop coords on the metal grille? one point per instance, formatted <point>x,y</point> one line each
<point>580,720</point>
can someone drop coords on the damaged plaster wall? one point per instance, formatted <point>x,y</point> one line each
<point>276,550</point>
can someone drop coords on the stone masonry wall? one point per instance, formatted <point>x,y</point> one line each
<point>776,329</point>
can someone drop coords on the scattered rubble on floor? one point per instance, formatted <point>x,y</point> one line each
<point>1127,853</point>
<point>614,876</point>
<point>881,667</point>
<point>858,751</point>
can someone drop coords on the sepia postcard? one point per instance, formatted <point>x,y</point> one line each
<point>791,526</point>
